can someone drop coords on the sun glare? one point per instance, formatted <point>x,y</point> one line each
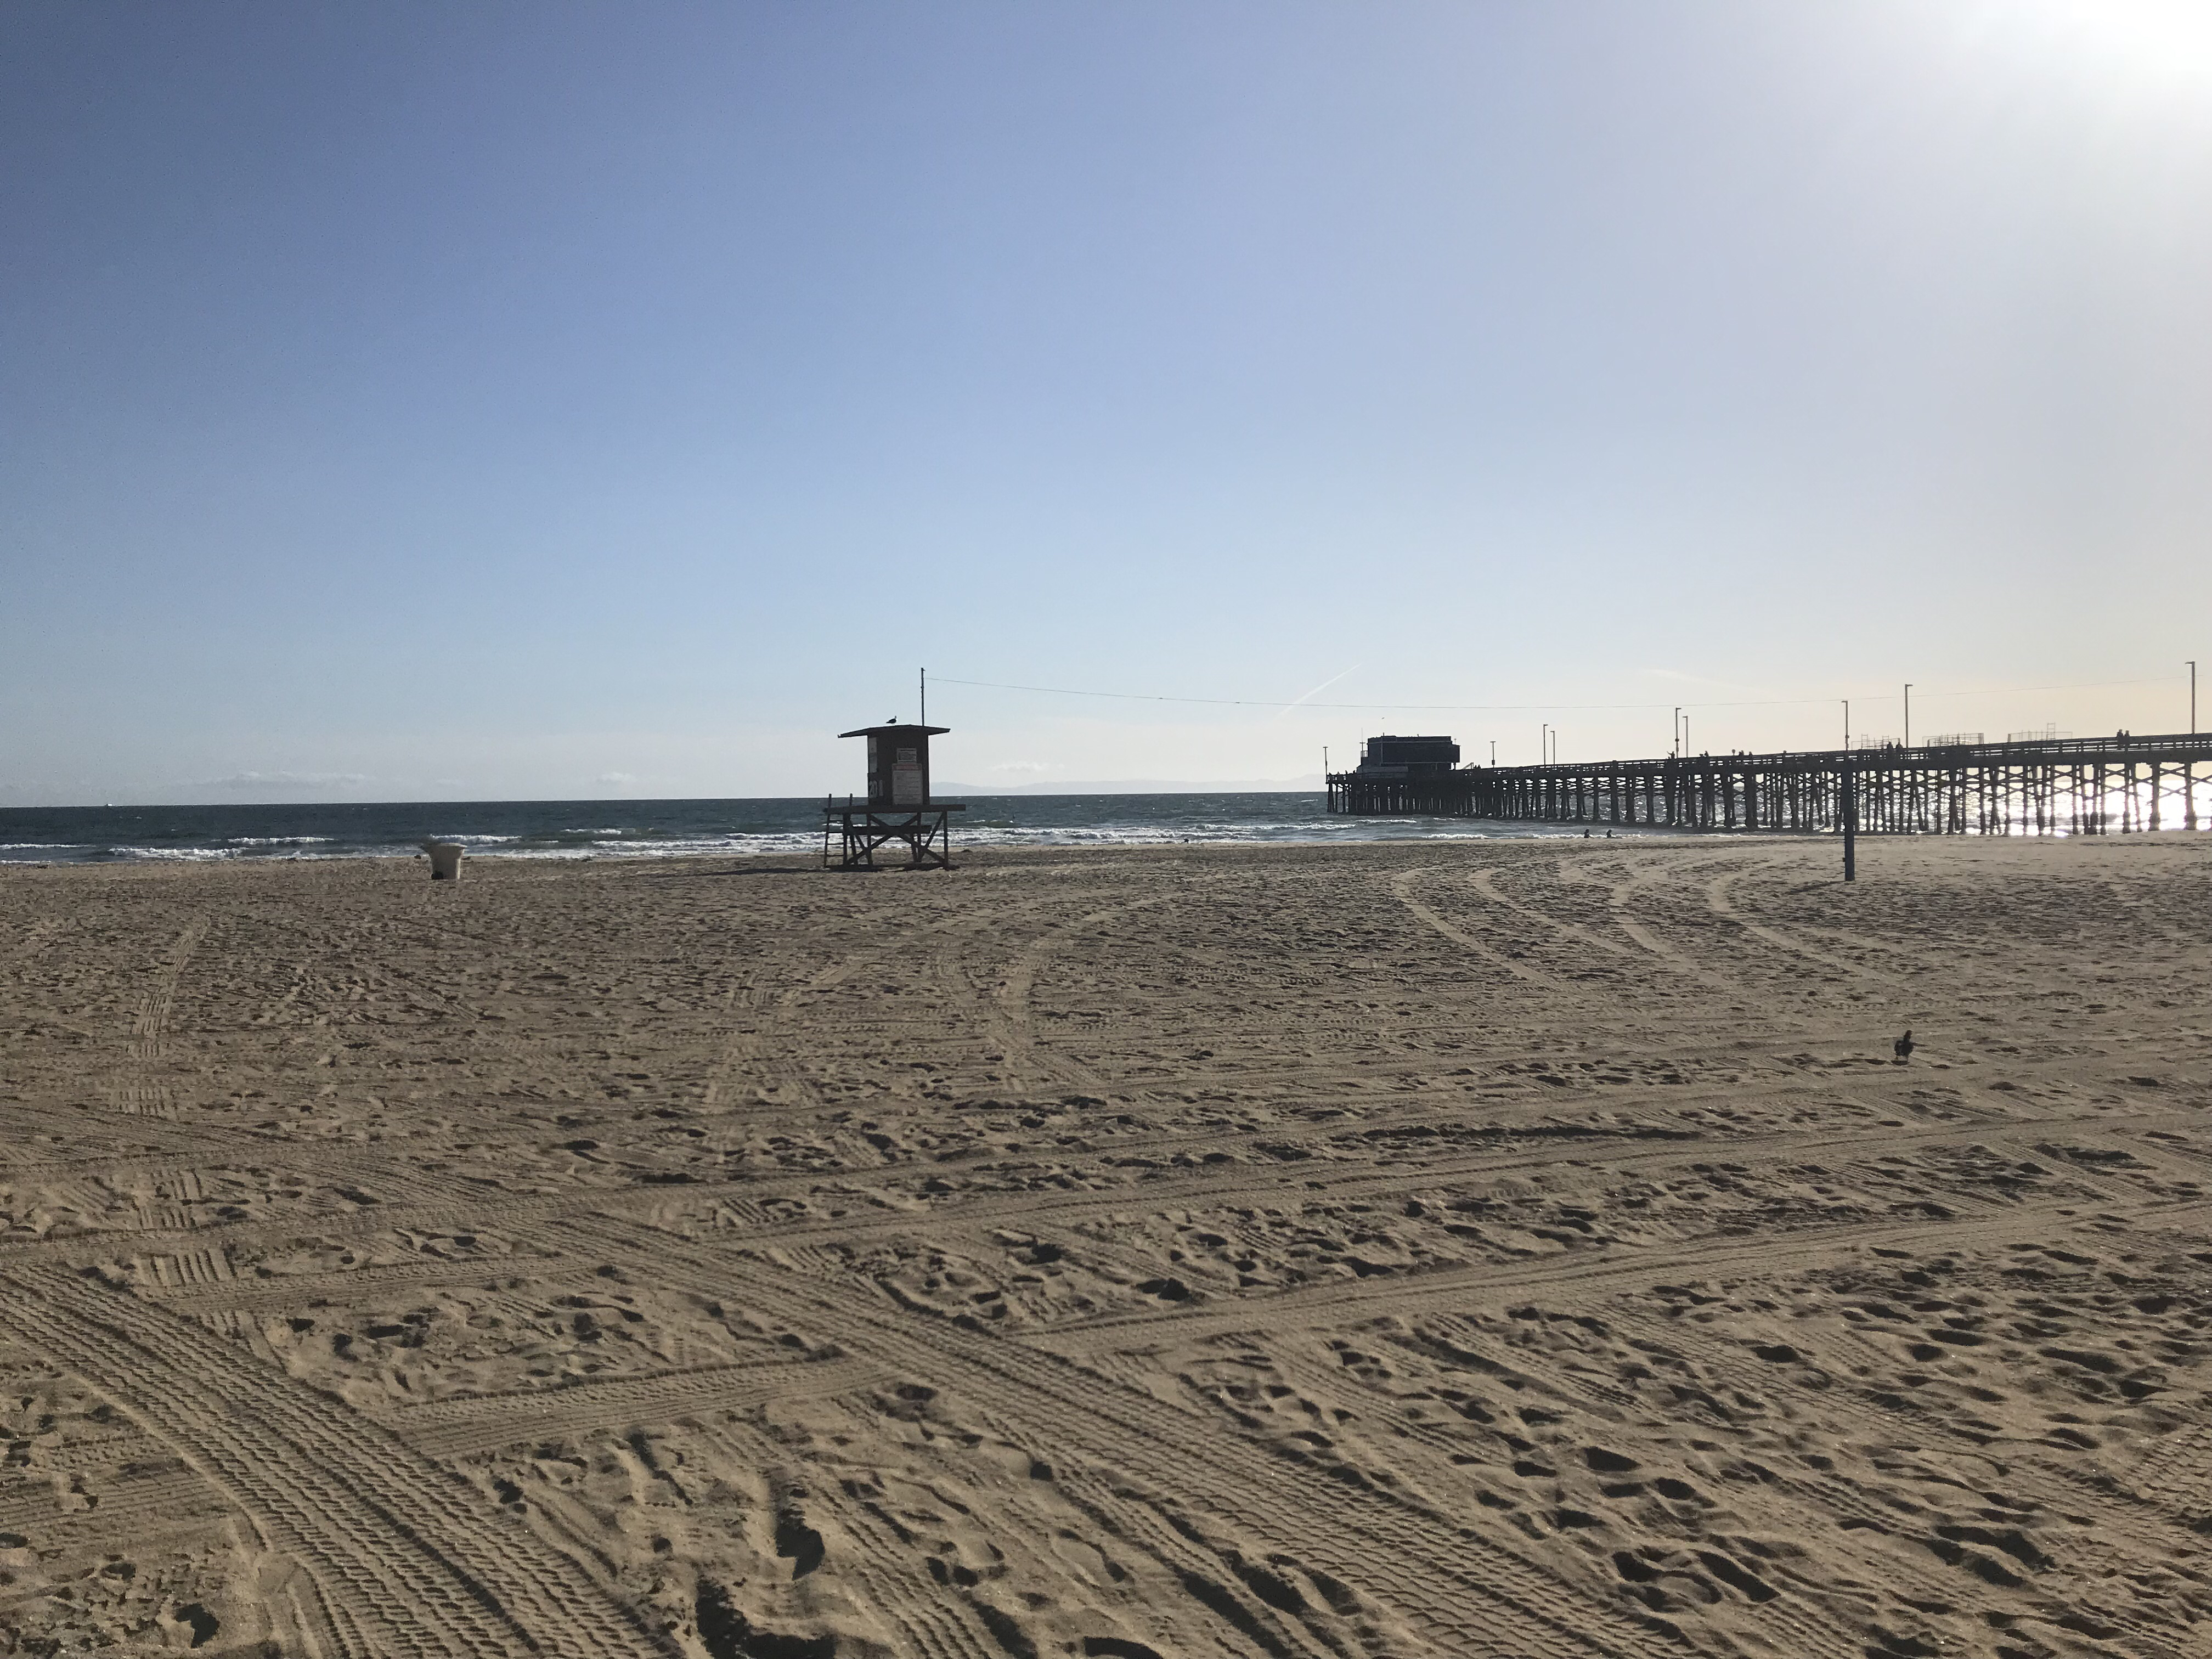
<point>2160,38</point>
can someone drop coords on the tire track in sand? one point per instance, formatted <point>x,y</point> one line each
<point>1718,902</point>
<point>404,1560</point>
<point>139,1090</point>
<point>482,1423</point>
<point>759,1037</point>
<point>1007,1012</point>
<point>1401,889</point>
<point>1460,1590</point>
<point>1358,1301</point>
<point>1617,898</point>
<point>1351,1177</point>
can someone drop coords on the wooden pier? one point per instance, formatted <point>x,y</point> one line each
<point>2084,786</point>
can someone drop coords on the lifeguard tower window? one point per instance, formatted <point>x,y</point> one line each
<point>1417,756</point>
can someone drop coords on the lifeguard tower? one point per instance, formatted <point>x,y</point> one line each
<point>898,808</point>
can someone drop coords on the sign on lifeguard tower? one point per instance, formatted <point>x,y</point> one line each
<point>898,807</point>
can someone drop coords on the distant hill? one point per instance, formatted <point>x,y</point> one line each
<point>1310,784</point>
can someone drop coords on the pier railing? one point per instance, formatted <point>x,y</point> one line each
<point>2080,786</point>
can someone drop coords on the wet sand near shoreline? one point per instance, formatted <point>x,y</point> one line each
<point>1511,1248</point>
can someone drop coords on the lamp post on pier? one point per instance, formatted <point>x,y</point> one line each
<point>1908,714</point>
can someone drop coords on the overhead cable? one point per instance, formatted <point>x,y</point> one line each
<point>1538,707</point>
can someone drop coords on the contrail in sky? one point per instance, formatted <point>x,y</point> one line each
<point>1318,690</point>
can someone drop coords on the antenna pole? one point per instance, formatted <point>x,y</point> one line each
<point>925,697</point>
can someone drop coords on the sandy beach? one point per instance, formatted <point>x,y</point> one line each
<point>1497,1248</point>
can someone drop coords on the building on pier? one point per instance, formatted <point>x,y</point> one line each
<point>1402,757</point>
<point>1412,774</point>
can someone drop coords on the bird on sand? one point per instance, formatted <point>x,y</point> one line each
<point>1903,1047</point>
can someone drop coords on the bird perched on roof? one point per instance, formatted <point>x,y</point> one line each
<point>1903,1047</point>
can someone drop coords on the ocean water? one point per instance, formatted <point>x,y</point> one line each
<point>674,829</point>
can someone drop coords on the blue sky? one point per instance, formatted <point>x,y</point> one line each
<point>410,401</point>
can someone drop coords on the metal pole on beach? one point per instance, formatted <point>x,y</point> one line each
<point>1850,820</point>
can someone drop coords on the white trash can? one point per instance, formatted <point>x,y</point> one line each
<point>445,860</point>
